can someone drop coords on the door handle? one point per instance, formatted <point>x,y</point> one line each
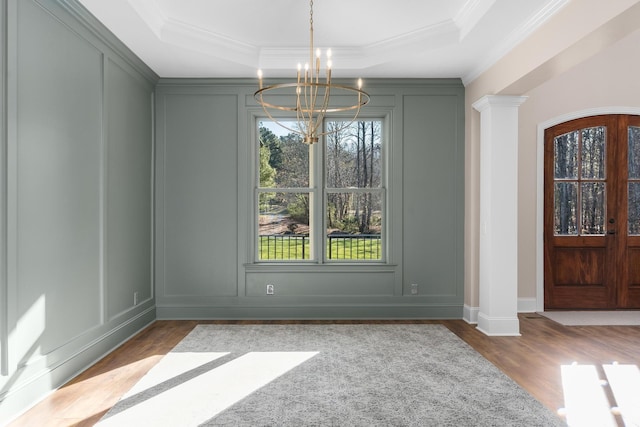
<point>611,232</point>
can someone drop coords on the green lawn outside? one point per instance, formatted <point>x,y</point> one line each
<point>342,248</point>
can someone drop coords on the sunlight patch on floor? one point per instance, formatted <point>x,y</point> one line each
<point>586,401</point>
<point>625,383</point>
<point>200,398</point>
<point>171,366</point>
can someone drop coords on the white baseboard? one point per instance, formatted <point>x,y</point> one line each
<point>525,305</point>
<point>470,314</point>
<point>23,396</point>
<point>499,326</point>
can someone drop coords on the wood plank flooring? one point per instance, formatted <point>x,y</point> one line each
<point>533,360</point>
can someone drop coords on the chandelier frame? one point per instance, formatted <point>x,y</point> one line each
<point>312,96</point>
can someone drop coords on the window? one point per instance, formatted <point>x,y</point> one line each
<point>579,182</point>
<point>322,202</point>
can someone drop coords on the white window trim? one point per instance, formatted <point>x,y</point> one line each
<point>318,221</point>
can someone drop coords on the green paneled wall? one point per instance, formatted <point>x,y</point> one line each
<point>200,210</point>
<point>76,195</point>
<point>433,237</point>
<point>204,161</point>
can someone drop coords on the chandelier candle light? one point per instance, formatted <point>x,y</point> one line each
<point>312,96</point>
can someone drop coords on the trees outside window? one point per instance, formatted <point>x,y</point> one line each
<point>336,185</point>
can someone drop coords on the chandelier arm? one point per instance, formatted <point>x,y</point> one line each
<point>300,112</point>
<point>322,112</point>
<point>314,100</point>
<point>344,125</point>
<point>275,120</point>
<point>298,107</point>
<point>311,108</point>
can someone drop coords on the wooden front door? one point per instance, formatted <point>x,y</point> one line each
<point>592,213</point>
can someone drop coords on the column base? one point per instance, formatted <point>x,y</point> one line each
<point>498,326</point>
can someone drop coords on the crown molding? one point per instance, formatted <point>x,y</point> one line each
<point>514,39</point>
<point>184,35</point>
<point>470,14</point>
<point>194,38</point>
<point>151,14</point>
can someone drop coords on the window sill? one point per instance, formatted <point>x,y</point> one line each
<point>320,268</point>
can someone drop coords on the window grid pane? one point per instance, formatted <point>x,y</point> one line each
<point>592,152</point>
<point>353,155</point>
<point>565,212</point>
<point>284,159</point>
<point>566,156</point>
<point>283,226</point>
<point>634,152</point>
<point>634,209</point>
<point>592,208</point>
<point>354,226</point>
<point>633,191</point>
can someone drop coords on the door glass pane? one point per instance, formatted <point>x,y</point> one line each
<point>283,226</point>
<point>566,156</point>
<point>634,152</point>
<point>565,202</point>
<point>354,226</point>
<point>593,208</point>
<point>593,149</point>
<point>634,208</point>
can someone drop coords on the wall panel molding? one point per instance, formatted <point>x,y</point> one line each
<point>424,122</point>
<point>82,21</point>
<point>76,108</point>
<point>4,308</point>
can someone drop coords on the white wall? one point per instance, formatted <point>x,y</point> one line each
<point>584,58</point>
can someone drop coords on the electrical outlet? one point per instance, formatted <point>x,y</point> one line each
<point>414,289</point>
<point>271,289</point>
<point>135,298</point>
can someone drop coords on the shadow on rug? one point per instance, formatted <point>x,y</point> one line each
<point>326,375</point>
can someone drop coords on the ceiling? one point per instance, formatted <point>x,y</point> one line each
<point>368,38</point>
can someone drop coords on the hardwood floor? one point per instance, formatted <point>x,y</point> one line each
<point>532,360</point>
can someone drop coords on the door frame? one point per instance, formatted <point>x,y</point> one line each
<point>542,127</point>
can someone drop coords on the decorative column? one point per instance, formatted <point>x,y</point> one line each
<point>498,313</point>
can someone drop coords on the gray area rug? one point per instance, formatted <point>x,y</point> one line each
<point>594,318</point>
<point>326,375</point>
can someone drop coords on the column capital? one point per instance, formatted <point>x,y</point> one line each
<point>488,101</point>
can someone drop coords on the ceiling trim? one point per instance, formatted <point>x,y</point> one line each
<point>470,14</point>
<point>435,36</point>
<point>151,14</point>
<point>191,37</point>
<point>415,46</point>
<point>514,39</point>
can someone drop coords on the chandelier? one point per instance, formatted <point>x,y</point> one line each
<point>309,96</point>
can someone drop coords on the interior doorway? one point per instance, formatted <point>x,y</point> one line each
<point>592,213</point>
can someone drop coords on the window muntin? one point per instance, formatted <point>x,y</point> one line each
<point>339,220</point>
